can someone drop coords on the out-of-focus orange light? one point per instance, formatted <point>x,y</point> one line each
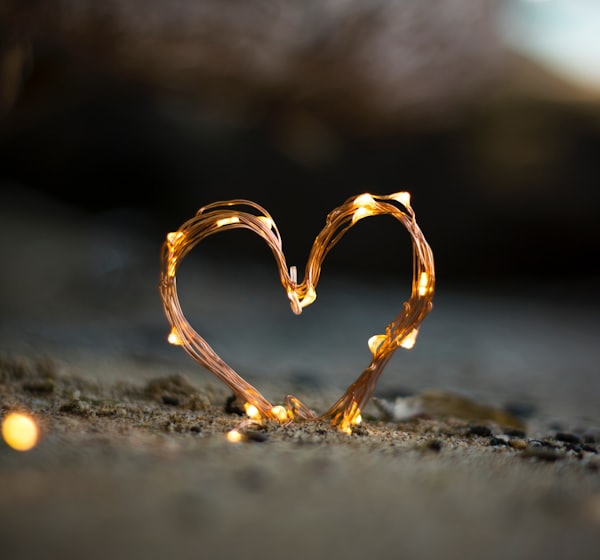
<point>20,431</point>
<point>423,283</point>
<point>174,337</point>
<point>227,221</point>
<point>281,413</point>
<point>252,412</point>
<point>409,340</point>
<point>234,436</point>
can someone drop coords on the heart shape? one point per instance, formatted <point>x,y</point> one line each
<point>402,331</point>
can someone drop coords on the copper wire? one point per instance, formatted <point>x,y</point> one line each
<point>239,213</point>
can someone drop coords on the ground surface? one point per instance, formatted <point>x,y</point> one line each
<point>501,462</point>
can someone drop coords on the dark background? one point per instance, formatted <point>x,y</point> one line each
<point>139,113</point>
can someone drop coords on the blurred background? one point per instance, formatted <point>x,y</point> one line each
<point>119,119</point>
<point>487,112</point>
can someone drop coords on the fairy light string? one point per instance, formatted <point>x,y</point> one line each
<point>401,331</point>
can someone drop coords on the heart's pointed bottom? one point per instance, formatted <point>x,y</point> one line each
<point>343,414</point>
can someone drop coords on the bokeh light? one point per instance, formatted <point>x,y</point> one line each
<point>20,431</point>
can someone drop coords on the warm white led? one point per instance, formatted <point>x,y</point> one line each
<point>360,213</point>
<point>423,283</point>
<point>20,431</point>
<point>266,221</point>
<point>375,342</point>
<point>403,198</point>
<point>174,237</point>
<point>410,339</point>
<point>174,337</point>
<point>309,298</point>
<point>234,436</point>
<point>251,411</point>
<point>280,412</point>
<point>227,221</point>
<point>364,200</point>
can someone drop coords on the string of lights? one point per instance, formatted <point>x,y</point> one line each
<point>400,332</point>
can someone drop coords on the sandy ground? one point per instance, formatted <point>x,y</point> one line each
<point>501,462</point>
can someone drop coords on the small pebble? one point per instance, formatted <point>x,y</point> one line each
<point>517,443</point>
<point>573,447</point>
<point>39,387</point>
<point>482,431</point>
<point>567,438</point>
<point>258,437</point>
<point>359,431</point>
<point>233,406</point>
<point>169,399</point>
<point>542,443</point>
<point>434,445</point>
<point>77,407</point>
<point>541,453</point>
<point>515,433</point>
<point>496,442</point>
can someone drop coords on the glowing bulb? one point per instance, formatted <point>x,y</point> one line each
<point>423,281</point>
<point>364,203</point>
<point>252,412</point>
<point>174,237</point>
<point>403,198</point>
<point>174,337</point>
<point>20,431</point>
<point>310,296</point>
<point>409,340</point>
<point>364,199</point>
<point>265,220</point>
<point>360,213</point>
<point>280,412</point>
<point>351,417</point>
<point>375,342</point>
<point>227,221</point>
<point>294,301</point>
<point>234,436</point>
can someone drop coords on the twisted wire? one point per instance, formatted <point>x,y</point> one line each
<point>240,213</point>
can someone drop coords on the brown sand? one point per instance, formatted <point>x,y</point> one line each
<point>131,470</point>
